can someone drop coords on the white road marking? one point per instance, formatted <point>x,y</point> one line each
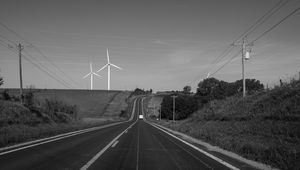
<point>90,162</point>
<point>59,137</point>
<point>196,148</point>
<point>114,144</point>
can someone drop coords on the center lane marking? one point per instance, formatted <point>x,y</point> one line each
<point>89,163</point>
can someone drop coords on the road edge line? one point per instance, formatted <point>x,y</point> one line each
<point>37,142</point>
<point>194,147</point>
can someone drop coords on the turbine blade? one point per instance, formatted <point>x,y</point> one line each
<point>116,66</point>
<point>208,74</point>
<point>107,55</point>
<point>87,75</point>
<point>91,67</point>
<point>96,74</point>
<point>102,67</point>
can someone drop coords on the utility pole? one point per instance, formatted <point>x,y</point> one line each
<point>243,66</point>
<point>20,48</point>
<point>245,56</point>
<point>173,107</point>
<point>160,112</point>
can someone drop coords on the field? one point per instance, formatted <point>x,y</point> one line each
<point>58,111</point>
<point>89,103</point>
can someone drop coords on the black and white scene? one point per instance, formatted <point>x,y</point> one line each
<point>149,84</point>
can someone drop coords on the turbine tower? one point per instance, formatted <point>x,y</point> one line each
<point>91,73</point>
<point>108,69</point>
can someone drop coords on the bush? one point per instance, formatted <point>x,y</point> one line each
<point>5,95</point>
<point>54,107</point>
<point>184,106</point>
<point>123,113</point>
<point>28,100</point>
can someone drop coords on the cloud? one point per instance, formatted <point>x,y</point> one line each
<point>183,56</point>
<point>160,42</point>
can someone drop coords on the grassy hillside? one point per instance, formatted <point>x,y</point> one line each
<point>58,111</point>
<point>89,103</point>
<point>117,104</point>
<point>154,105</point>
<point>264,127</point>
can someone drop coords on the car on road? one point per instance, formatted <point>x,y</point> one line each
<point>141,116</point>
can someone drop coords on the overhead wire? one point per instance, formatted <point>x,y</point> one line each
<point>275,25</point>
<point>54,65</point>
<point>39,51</point>
<point>250,30</point>
<point>36,65</point>
<point>227,62</point>
<point>28,55</point>
<point>263,19</point>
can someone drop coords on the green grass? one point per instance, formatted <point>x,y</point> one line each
<point>264,127</point>
<point>65,111</point>
<point>117,104</point>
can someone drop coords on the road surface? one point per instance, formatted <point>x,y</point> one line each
<point>134,144</point>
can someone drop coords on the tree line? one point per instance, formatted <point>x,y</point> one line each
<point>209,89</point>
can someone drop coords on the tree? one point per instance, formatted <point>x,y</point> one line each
<point>205,89</point>
<point>252,85</point>
<point>1,81</point>
<point>184,106</point>
<point>187,89</point>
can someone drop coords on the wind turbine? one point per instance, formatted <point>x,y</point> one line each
<point>91,73</point>
<point>108,69</point>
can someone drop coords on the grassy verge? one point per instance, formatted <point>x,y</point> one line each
<point>264,127</point>
<point>20,124</point>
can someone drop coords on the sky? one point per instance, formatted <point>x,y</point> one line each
<point>160,44</point>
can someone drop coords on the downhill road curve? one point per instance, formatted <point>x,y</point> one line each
<point>134,144</point>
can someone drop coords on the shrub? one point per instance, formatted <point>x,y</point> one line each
<point>123,113</point>
<point>28,100</point>
<point>5,95</point>
<point>184,106</point>
<point>53,108</point>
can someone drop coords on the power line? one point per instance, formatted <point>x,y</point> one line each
<point>45,68</point>
<point>275,25</point>
<point>6,39</point>
<point>38,67</point>
<point>252,28</point>
<point>40,52</point>
<point>12,31</point>
<point>262,19</point>
<point>53,64</point>
<point>228,61</point>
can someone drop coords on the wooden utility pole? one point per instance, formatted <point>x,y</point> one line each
<point>20,48</point>
<point>160,112</point>
<point>244,45</point>
<point>174,107</point>
<point>243,66</point>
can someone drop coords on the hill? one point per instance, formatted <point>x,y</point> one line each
<point>89,103</point>
<point>264,126</point>
<point>53,112</point>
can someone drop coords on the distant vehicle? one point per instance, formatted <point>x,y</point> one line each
<point>141,116</point>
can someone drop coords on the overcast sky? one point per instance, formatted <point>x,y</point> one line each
<point>160,44</point>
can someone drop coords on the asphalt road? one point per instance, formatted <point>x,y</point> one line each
<point>134,144</point>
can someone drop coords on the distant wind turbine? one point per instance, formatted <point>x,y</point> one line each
<point>108,69</point>
<point>91,73</point>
